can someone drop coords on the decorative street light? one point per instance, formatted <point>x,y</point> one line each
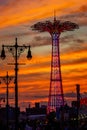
<point>7,79</point>
<point>16,50</point>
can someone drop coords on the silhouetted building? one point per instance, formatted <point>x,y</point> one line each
<point>37,105</point>
<point>36,110</point>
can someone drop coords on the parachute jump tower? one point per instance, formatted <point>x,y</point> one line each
<point>55,28</point>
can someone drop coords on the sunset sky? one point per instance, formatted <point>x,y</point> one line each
<point>16,19</point>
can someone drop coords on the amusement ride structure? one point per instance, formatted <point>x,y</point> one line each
<point>55,28</point>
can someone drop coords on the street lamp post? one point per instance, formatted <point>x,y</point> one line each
<point>16,50</point>
<point>7,79</point>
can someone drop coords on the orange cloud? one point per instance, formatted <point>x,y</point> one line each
<point>14,13</point>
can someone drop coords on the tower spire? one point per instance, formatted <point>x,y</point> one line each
<point>54,15</point>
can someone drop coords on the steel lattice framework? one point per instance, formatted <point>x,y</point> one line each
<point>55,28</point>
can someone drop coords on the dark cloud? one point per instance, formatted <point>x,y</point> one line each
<point>79,40</point>
<point>40,96</point>
<point>66,39</point>
<point>73,94</point>
<point>70,94</point>
<point>35,75</point>
<point>83,8</point>
<point>16,31</point>
<point>13,35</point>
<point>32,95</point>
<point>79,16</point>
<point>69,38</point>
<point>76,47</point>
<point>74,15</point>
<point>77,61</point>
<point>3,2</point>
<point>41,41</point>
<point>71,41</point>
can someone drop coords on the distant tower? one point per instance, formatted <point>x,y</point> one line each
<point>78,95</point>
<point>55,28</point>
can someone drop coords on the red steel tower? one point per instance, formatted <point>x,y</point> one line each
<point>55,28</point>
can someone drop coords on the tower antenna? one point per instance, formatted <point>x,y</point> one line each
<point>54,15</point>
